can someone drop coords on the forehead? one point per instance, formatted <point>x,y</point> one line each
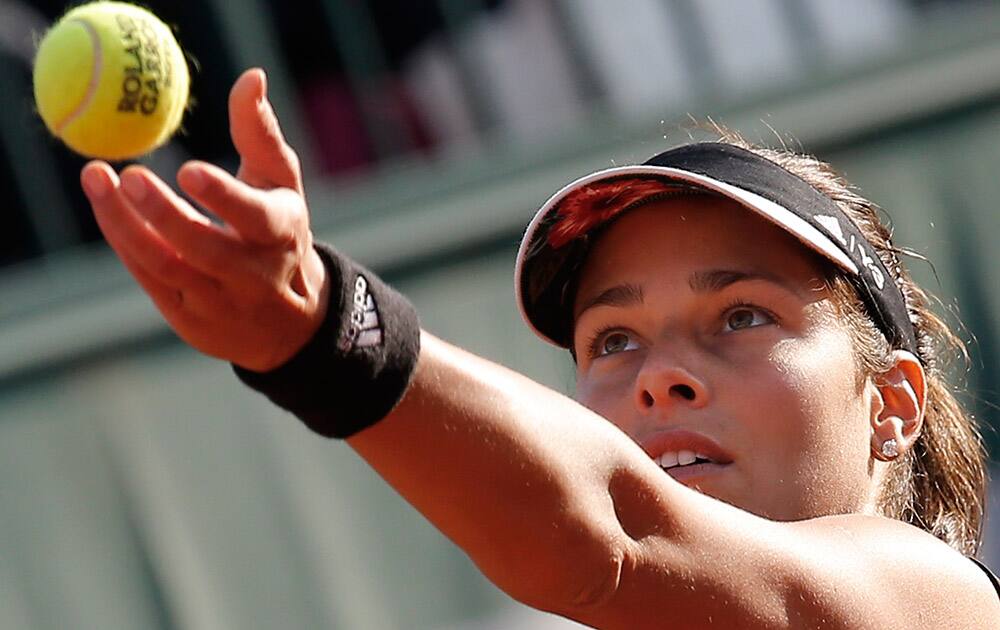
<point>692,233</point>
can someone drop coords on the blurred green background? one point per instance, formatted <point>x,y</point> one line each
<point>142,487</point>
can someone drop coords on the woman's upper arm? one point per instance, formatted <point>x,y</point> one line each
<point>873,569</point>
<point>738,570</point>
<point>708,564</point>
<point>566,513</point>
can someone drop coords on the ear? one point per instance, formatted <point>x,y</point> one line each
<point>903,392</point>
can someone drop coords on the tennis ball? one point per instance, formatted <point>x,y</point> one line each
<point>110,80</point>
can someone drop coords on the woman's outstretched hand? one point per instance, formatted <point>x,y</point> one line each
<point>250,290</point>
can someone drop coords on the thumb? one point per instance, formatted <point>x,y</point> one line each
<point>266,160</point>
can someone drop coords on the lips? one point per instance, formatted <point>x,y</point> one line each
<point>684,454</point>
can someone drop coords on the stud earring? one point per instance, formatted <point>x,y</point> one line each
<point>890,449</point>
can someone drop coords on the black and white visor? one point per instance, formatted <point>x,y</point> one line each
<point>545,276</point>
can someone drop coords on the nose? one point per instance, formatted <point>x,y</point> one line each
<point>664,382</point>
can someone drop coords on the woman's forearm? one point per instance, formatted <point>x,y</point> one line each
<point>513,472</point>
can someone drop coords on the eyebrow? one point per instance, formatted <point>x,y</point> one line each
<point>620,295</point>
<point>718,279</point>
<point>710,281</point>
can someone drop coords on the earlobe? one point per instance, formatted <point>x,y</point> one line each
<point>903,392</point>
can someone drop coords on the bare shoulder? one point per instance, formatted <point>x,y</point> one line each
<point>729,568</point>
<point>869,571</point>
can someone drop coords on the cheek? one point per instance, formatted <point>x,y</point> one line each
<point>608,395</point>
<point>818,377</point>
<point>814,372</point>
<point>826,421</point>
<point>779,398</point>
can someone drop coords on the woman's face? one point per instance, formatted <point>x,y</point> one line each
<point>704,331</point>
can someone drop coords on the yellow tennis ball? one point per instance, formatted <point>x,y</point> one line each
<point>111,81</point>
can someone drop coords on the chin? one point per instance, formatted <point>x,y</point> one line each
<point>717,490</point>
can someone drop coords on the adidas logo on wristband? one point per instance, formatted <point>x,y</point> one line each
<point>359,363</point>
<point>363,328</point>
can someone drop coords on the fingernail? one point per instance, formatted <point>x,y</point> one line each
<point>134,187</point>
<point>194,180</point>
<point>95,183</point>
<point>263,82</point>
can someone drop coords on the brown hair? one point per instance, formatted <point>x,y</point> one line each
<point>940,484</point>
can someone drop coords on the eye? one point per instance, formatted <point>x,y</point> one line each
<point>746,316</point>
<point>612,342</point>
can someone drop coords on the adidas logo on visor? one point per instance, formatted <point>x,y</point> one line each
<point>364,329</point>
<point>854,247</point>
<point>832,226</point>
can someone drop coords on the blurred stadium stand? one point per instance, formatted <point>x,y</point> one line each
<point>141,487</point>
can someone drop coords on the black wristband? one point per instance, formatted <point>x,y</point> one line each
<point>358,365</point>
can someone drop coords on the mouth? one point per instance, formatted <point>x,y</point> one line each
<point>671,460</point>
<point>685,465</point>
<point>685,455</point>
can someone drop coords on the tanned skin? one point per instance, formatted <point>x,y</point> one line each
<point>559,502</point>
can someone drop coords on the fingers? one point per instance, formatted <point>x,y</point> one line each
<point>204,245</point>
<point>258,216</point>
<point>129,235</point>
<point>266,159</point>
<point>174,286</point>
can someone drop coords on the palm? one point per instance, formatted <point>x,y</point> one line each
<point>250,290</point>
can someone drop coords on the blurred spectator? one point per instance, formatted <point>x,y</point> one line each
<point>354,98</point>
<point>380,80</point>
